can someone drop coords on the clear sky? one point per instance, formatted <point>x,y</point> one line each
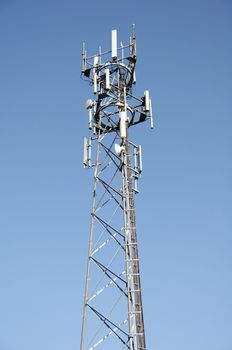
<point>184,209</point>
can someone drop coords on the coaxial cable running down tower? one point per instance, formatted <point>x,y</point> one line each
<point>113,313</point>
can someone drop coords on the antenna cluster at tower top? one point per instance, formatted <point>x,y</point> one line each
<point>116,54</point>
<point>112,75</point>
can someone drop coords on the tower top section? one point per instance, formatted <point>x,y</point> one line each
<point>121,54</point>
<point>112,76</point>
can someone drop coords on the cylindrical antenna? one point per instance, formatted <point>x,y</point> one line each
<point>94,112</point>
<point>151,116</point>
<point>123,119</point>
<point>136,169</point>
<point>95,82</point>
<point>134,77</point>
<point>85,155</point>
<point>124,97</point>
<point>89,151</point>
<point>140,158</point>
<point>136,184</point>
<point>135,152</point>
<point>95,62</point>
<point>114,44</point>
<point>107,79</point>
<point>146,101</point>
<point>90,118</point>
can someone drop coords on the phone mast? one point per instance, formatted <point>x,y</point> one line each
<point>113,312</point>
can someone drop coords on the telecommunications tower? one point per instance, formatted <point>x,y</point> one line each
<point>113,313</point>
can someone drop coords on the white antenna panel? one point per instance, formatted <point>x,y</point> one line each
<point>94,82</point>
<point>85,155</point>
<point>135,152</point>
<point>114,44</point>
<point>147,101</point>
<point>95,61</point>
<point>123,120</point>
<point>87,152</point>
<point>134,77</point>
<point>151,116</point>
<point>140,159</point>
<point>90,118</point>
<point>107,77</point>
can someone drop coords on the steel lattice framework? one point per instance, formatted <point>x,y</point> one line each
<point>113,313</point>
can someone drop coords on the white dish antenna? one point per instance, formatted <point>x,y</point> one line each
<point>118,149</point>
<point>89,103</point>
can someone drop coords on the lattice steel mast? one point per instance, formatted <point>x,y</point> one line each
<point>113,313</point>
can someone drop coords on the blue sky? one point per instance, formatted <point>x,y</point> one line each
<point>184,208</point>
